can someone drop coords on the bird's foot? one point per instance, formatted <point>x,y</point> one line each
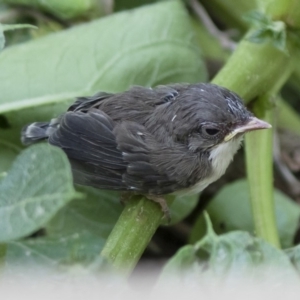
<point>163,204</point>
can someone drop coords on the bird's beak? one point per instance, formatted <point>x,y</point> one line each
<point>252,124</point>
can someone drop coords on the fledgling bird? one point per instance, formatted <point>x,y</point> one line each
<point>177,138</point>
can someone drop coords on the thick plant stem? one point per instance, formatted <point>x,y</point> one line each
<point>259,160</point>
<point>287,11</point>
<point>132,233</point>
<point>254,69</point>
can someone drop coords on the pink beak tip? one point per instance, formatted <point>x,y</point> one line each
<point>256,123</point>
<point>253,124</point>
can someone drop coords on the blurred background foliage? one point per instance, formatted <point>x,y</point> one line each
<point>83,46</point>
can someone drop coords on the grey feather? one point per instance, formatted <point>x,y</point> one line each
<point>151,141</point>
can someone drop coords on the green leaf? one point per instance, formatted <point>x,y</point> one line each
<point>263,35</point>
<point>266,30</point>
<point>2,37</point>
<point>229,257</point>
<point>8,153</point>
<point>109,54</point>
<point>35,188</point>
<point>53,252</point>
<point>231,210</point>
<point>65,9</point>
<point>6,27</point>
<point>182,207</point>
<point>183,260</point>
<point>280,41</point>
<point>96,214</point>
<point>294,255</point>
<point>257,18</point>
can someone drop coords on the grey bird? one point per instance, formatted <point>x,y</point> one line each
<point>175,139</point>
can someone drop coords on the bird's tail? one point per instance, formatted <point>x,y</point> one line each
<point>38,131</point>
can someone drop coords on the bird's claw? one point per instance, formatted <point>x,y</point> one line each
<point>163,204</point>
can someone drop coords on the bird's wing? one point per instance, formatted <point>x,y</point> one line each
<point>86,103</point>
<point>155,168</point>
<point>135,97</point>
<point>90,144</point>
<point>120,156</point>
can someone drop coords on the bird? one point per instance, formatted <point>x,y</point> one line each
<point>170,139</point>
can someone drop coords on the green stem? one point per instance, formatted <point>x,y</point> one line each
<point>259,160</point>
<point>132,233</point>
<point>287,117</point>
<point>287,11</point>
<point>254,69</point>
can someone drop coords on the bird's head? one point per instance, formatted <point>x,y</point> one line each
<point>210,116</point>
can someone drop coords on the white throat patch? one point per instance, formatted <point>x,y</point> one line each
<point>223,154</point>
<point>220,158</point>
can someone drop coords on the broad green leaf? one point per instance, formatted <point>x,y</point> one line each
<point>97,214</point>
<point>231,210</point>
<point>228,257</point>
<point>65,9</point>
<point>54,252</point>
<point>8,153</point>
<point>35,188</point>
<point>40,78</point>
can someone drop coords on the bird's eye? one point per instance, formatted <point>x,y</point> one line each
<point>211,131</point>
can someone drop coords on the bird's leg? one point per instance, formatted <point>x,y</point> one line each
<point>163,204</point>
